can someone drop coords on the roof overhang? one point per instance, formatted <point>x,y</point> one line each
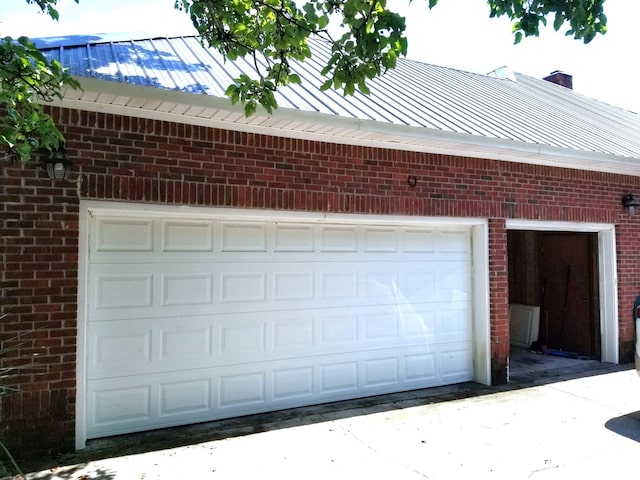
<point>204,110</point>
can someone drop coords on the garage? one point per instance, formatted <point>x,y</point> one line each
<point>199,314</point>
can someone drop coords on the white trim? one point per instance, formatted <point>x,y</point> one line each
<point>479,237</point>
<point>168,105</point>
<point>556,226</point>
<point>81,358</point>
<point>481,310</point>
<point>607,275</point>
<point>136,209</point>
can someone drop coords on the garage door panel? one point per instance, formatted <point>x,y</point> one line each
<point>187,397</point>
<point>136,403</point>
<point>338,284</point>
<point>420,240</point>
<point>131,295</point>
<point>294,238</point>
<point>293,285</point>
<point>293,331</point>
<point>338,328</point>
<point>418,323</point>
<point>242,338</point>
<point>453,323</point>
<point>339,376</point>
<point>117,238</point>
<point>187,236</point>
<point>380,325</point>
<point>454,243</point>
<point>197,319</point>
<point>123,235</point>
<point>121,407</point>
<point>293,384</point>
<point>186,345</point>
<point>339,239</point>
<point>243,287</point>
<point>455,362</point>
<point>380,239</point>
<point>119,345</point>
<point>186,289</point>
<point>157,400</point>
<point>123,291</point>
<point>201,341</point>
<point>420,368</point>
<point>241,390</point>
<point>136,347</point>
<point>381,371</point>
<point>243,237</point>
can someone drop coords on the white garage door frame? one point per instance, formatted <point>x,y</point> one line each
<point>480,270</point>
<point>607,274</point>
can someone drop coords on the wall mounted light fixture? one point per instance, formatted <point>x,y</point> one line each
<point>630,203</point>
<point>58,165</point>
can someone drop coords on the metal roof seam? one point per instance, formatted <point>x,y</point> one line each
<point>445,97</point>
<point>92,71</point>
<point>419,95</point>
<point>118,67</point>
<point>190,68</point>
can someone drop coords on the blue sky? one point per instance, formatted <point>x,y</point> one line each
<point>457,33</point>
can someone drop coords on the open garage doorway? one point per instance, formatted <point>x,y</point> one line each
<point>561,288</point>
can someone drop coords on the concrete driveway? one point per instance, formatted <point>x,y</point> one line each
<point>560,428</point>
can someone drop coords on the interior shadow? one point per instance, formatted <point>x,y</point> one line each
<point>526,365</point>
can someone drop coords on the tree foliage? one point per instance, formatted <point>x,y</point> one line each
<point>27,79</point>
<point>366,38</point>
<point>586,18</point>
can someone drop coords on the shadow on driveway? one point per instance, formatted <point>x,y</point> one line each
<point>169,438</point>
<point>626,425</point>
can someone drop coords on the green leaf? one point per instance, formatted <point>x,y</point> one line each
<point>294,78</point>
<point>557,23</point>
<point>250,108</point>
<point>370,38</point>
<point>326,85</point>
<point>28,80</point>
<point>362,86</point>
<point>349,88</point>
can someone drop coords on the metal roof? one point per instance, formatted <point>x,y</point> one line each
<point>417,106</point>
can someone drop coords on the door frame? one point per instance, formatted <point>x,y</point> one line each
<point>478,228</point>
<point>607,275</point>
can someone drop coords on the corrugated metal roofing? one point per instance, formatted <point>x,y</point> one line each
<point>414,95</point>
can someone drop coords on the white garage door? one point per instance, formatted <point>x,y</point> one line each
<point>197,319</point>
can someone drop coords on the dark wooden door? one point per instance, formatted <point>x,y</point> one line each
<point>567,272</point>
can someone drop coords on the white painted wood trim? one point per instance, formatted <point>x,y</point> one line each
<point>126,209</point>
<point>607,275</point>
<point>481,310</point>
<point>81,348</point>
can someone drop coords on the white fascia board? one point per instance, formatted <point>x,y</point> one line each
<point>309,125</point>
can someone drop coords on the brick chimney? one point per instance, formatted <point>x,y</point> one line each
<point>560,78</point>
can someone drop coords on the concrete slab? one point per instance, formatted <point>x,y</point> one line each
<point>570,426</point>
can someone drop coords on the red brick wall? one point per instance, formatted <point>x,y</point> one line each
<point>499,300</point>
<point>129,159</point>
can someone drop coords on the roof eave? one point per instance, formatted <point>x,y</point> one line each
<point>205,110</point>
